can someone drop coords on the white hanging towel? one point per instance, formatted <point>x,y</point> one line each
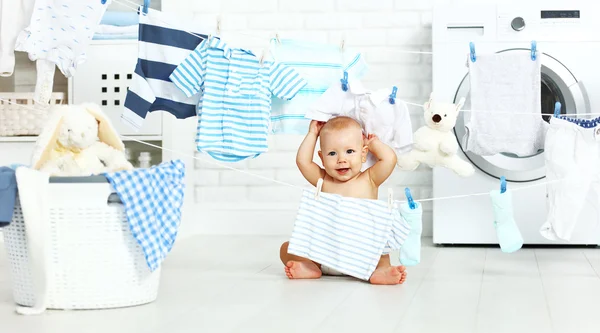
<point>505,83</point>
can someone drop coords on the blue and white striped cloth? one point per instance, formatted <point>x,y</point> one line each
<point>321,65</point>
<point>152,198</point>
<point>236,103</point>
<point>346,234</point>
<point>161,48</point>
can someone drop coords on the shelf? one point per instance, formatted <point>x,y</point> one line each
<point>18,138</point>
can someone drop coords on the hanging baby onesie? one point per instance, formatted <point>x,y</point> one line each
<point>58,35</point>
<point>14,17</point>
<point>163,44</point>
<point>373,111</point>
<point>344,234</point>
<point>236,102</point>
<point>321,65</point>
<point>572,170</point>
<point>507,83</point>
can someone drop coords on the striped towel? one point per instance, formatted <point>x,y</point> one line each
<point>346,234</point>
<point>161,48</point>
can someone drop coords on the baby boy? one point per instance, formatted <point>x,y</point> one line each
<point>343,151</point>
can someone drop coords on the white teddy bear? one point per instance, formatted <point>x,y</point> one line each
<point>435,144</point>
<point>79,141</point>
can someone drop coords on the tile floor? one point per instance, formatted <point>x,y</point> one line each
<point>236,284</point>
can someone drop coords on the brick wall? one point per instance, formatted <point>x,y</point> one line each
<point>227,201</point>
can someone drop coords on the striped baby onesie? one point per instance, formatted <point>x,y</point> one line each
<point>162,46</point>
<point>321,65</point>
<point>346,234</point>
<point>236,103</point>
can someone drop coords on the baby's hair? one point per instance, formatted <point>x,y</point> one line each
<point>341,122</point>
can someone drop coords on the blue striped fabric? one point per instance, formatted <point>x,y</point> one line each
<point>346,234</point>
<point>236,103</point>
<point>161,48</point>
<point>321,65</point>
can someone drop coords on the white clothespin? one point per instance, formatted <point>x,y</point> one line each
<point>319,187</point>
<point>390,198</point>
<point>277,38</point>
<point>219,25</point>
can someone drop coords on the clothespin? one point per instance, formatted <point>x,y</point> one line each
<point>277,38</point>
<point>502,184</point>
<point>319,187</point>
<point>411,202</point>
<point>345,81</point>
<point>390,198</point>
<point>103,2</point>
<point>218,25</point>
<point>393,95</point>
<point>472,48</point>
<point>533,50</point>
<point>146,5</point>
<point>557,108</point>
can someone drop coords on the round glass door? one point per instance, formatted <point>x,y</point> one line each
<point>558,85</point>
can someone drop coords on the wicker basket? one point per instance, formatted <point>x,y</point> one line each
<point>16,120</point>
<point>94,260</point>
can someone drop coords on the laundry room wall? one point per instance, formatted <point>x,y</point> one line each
<point>227,201</point>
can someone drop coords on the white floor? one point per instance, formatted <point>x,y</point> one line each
<point>236,284</point>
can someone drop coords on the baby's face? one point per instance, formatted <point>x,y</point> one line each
<point>342,153</point>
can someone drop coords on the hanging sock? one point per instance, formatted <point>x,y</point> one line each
<point>410,252</point>
<point>509,236</point>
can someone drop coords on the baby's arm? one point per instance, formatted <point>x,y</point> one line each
<point>386,156</point>
<point>304,159</point>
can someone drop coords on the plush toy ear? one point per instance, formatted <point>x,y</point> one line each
<point>427,104</point>
<point>48,137</point>
<point>106,131</point>
<point>460,104</point>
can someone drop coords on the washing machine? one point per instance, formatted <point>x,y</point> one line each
<point>568,39</point>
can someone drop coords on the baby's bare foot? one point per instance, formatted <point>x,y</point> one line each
<point>389,275</point>
<point>302,270</point>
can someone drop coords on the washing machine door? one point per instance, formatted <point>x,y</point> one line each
<point>558,85</point>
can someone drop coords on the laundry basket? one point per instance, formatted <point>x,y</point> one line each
<point>19,115</point>
<point>94,262</point>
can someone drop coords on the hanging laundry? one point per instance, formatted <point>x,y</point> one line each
<point>8,195</point>
<point>153,198</point>
<point>14,17</point>
<point>236,105</point>
<point>572,170</point>
<point>58,35</point>
<point>372,109</point>
<point>321,65</point>
<point>410,252</point>
<point>505,82</point>
<point>162,47</point>
<point>509,236</point>
<point>346,235</point>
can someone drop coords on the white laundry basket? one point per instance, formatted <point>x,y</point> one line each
<point>20,116</point>
<point>94,260</point>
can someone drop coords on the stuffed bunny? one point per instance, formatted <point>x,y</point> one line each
<point>79,141</point>
<point>434,143</point>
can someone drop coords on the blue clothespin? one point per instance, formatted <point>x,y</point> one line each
<point>146,5</point>
<point>345,81</point>
<point>557,107</point>
<point>533,50</point>
<point>411,202</point>
<point>393,95</point>
<point>472,47</point>
<point>502,184</point>
<point>103,2</point>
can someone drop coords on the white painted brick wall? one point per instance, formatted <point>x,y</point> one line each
<point>228,201</point>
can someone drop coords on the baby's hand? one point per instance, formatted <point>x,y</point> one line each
<point>369,139</point>
<point>315,126</point>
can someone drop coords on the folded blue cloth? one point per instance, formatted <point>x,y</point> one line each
<point>152,198</point>
<point>120,18</point>
<point>509,236</point>
<point>8,194</point>
<point>410,252</point>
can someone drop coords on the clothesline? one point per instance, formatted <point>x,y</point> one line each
<point>288,184</point>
